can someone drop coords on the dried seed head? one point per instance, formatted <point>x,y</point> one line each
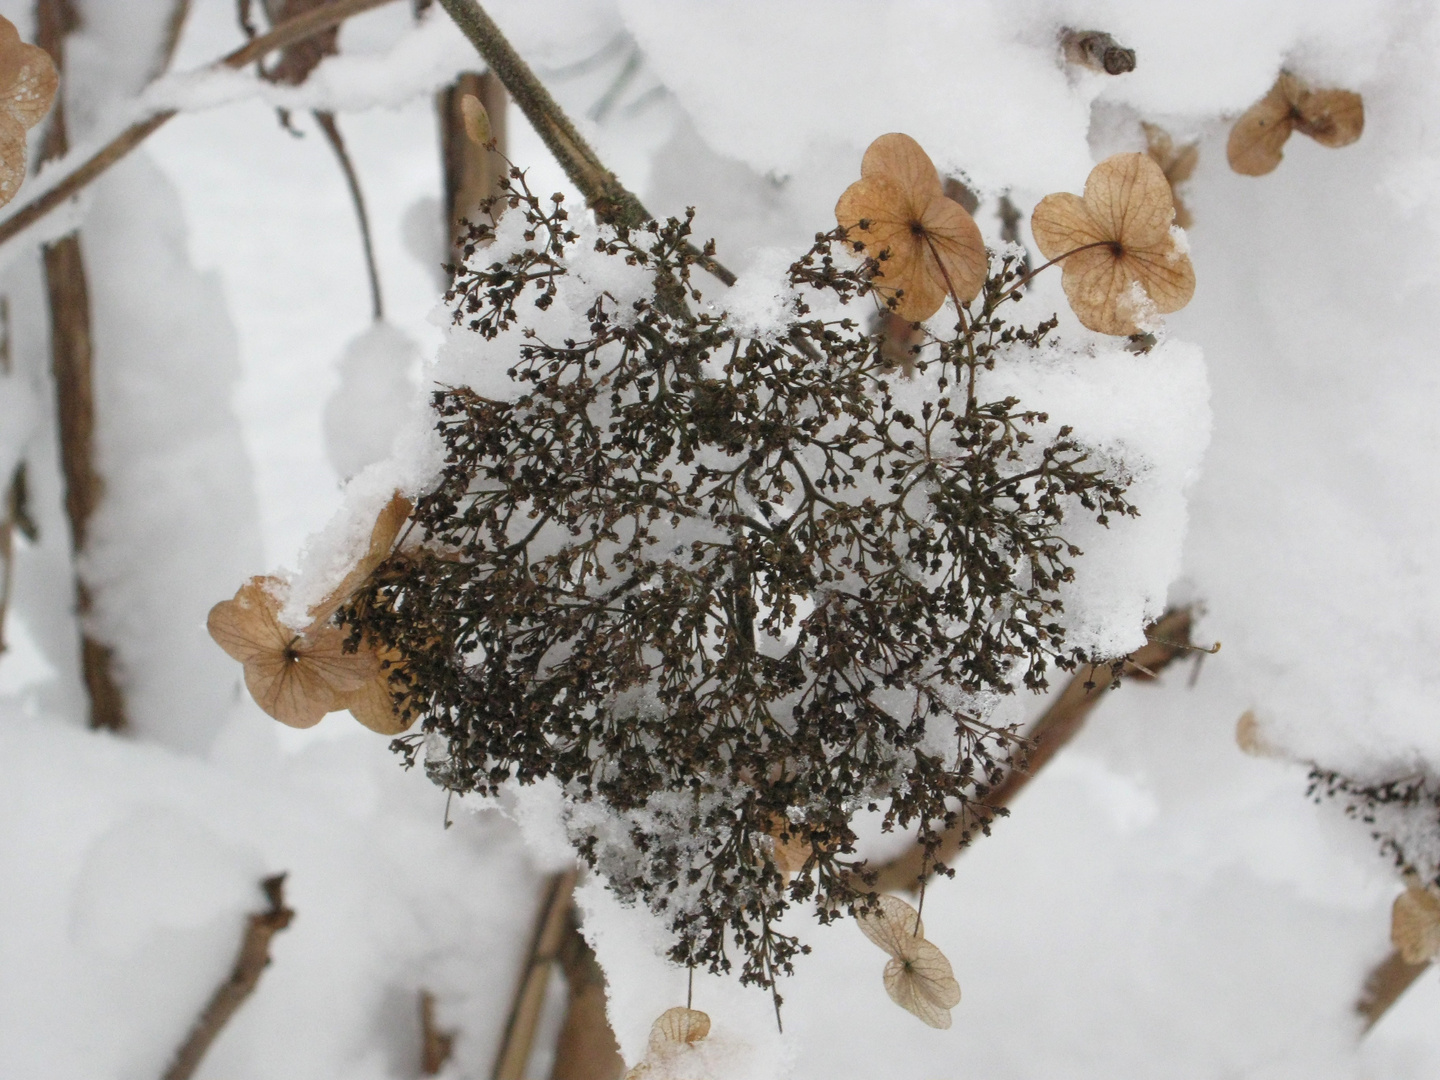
<point>1114,238</point>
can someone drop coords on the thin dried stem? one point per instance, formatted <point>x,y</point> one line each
<point>519,1036</point>
<point>435,1042</point>
<point>327,123</point>
<point>1168,639</point>
<point>287,33</point>
<point>612,202</point>
<point>250,964</point>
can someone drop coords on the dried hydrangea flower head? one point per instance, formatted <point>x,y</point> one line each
<point>1330,117</point>
<point>926,245</point>
<point>1116,237</point>
<point>1176,162</point>
<point>383,534</point>
<point>918,978</point>
<point>673,1033</point>
<point>1415,925</point>
<point>28,81</point>
<point>295,677</point>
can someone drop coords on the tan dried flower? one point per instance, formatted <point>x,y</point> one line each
<point>295,677</point>
<point>1116,238</point>
<point>373,705</point>
<point>1415,925</point>
<point>1176,162</point>
<point>28,81</point>
<point>891,924</point>
<point>674,1031</point>
<point>383,534</point>
<point>928,247</point>
<point>476,119</point>
<point>921,981</point>
<point>1330,117</point>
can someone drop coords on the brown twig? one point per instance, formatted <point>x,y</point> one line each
<point>612,202</point>
<point>472,173</point>
<point>327,123</point>
<point>586,1049</point>
<point>250,964</point>
<point>1061,722</point>
<point>520,1027</point>
<point>173,26</point>
<point>1097,51</point>
<point>288,32</point>
<point>435,1042</point>
<point>1387,981</point>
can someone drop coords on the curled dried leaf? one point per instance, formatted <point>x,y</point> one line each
<point>678,1026</point>
<point>922,982</point>
<point>295,677</point>
<point>383,534</point>
<point>927,246</point>
<point>892,925</point>
<point>1330,117</point>
<point>1177,163</point>
<point>477,120</point>
<point>1415,925</point>
<point>1117,237</point>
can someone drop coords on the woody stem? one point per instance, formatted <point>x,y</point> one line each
<point>1060,258</point>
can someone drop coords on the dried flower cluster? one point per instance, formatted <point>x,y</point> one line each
<point>297,676</point>
<point>918,978</point>
<point>722,587</point>
<point>1330,117</point>
<point>28,81</point>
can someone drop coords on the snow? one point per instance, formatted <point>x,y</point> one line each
<point>1157,904</point>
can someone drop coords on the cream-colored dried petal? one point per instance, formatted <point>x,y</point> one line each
<point>881,220</point>
<point>904,162</point>
<point>1129,199</point>
<point>1257,141</point>
<point>923,984</point>
<point>28,94</point>
<point>1164,272</point>
<point>678,1027</point>
<point>476,119</point>
<point>1330,117</point>
<point>247,627</point>
<point>1415,925</point>
<point>893,925</point>
<point>12,158</point>
<point>373,705</point>
<point>954,248</point>
<point>290,691</point>
<point>383,534</point>
<point>1097,285</point>
<point>1062,223</point>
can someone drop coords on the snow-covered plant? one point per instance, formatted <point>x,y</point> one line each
<point>727,584</point>
<point>1403,814</point>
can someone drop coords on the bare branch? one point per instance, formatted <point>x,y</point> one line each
<point>250,964</point>
<point>519,1037</point>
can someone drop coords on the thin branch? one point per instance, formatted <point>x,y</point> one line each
<point>435,1042</point>
<point>327,123</point>
<point>612,202</point>
<point>173,27</point>
<point>524,1019</point>
<point>287,33</point>
<point>250,964</point>
<point>1387,981</point>
<point>1167,640</point>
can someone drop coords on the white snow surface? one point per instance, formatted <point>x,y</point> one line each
<point>1157,904</point>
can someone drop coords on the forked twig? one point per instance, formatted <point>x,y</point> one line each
<point>287,33</point>
<point>250,964</point>
<point>1167,639</point>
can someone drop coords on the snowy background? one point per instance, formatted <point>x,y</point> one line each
<point>1157,905</point>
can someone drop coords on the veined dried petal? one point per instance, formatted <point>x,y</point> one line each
<point>1415,925</point>
<point>678,1026</point>
<point>373,705</point>
<point>893,925</point>
<point>1177,163</point>
<point>383,533</point>
<point>927,246</point>
<point>296,678</point>
<point>12,157</point>
<point>1115,237</point>
<point>923,983</point>
<point>29,93</point>
<point>1331,117</point>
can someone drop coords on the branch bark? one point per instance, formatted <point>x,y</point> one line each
<point>524,1019</point>
<point>250,964</point>
<point>586,1049</point>
<point>435,1042</point>
<point>287,33</point>
<point>472,173</point>
<point>1387,982</point>
<point>1061,722</point>
<point>612,202</point>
